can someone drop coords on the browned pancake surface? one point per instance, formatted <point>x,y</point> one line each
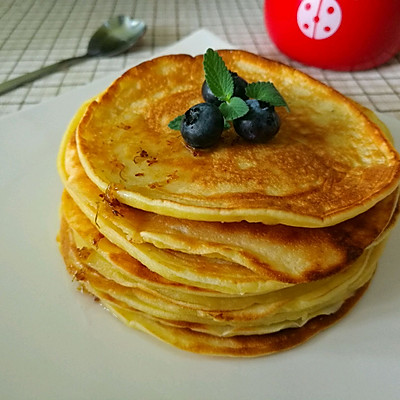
<point>328,163</point>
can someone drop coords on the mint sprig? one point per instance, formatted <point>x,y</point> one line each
<point>266,91</point>
<point>221,84</point>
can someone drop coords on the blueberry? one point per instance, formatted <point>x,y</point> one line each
<point>239,85</point>
<point>261,122</point>
<point>202,125</point>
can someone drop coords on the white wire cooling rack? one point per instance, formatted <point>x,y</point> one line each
<point>34,33</point>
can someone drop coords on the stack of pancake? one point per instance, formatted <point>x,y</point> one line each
<point>242,249</point>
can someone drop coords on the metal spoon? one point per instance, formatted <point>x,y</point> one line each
<point>115,36</point>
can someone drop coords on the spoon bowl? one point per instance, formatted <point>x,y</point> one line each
<point>115,36</point>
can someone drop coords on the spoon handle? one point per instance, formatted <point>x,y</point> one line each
<point>31,76</point>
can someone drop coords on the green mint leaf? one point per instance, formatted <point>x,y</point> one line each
<point>175,124</point>
<point>233,109</point>
<point>266,91</point>
<point>218,77</point>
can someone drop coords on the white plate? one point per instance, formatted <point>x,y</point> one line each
<point>56,343</point>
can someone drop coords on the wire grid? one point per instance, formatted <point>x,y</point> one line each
<point>35,33</point>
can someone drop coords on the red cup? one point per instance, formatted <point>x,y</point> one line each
<point>335,34</point>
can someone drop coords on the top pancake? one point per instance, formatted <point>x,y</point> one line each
<point>328,163</point>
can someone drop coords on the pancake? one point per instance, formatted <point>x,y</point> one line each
<point>236,346</point>
<point>328,163</point>
<point>275,252</point>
